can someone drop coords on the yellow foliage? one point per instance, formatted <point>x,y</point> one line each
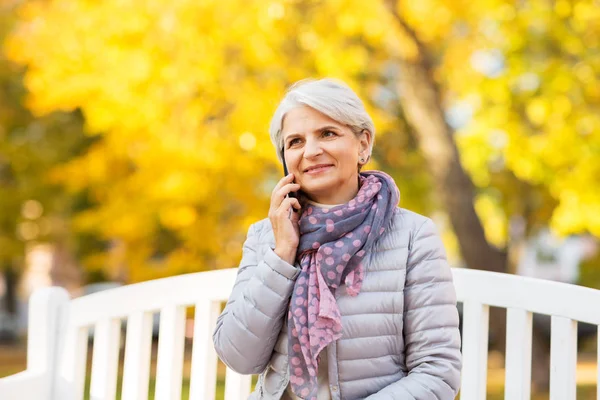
<point>179,95</point>
<point>542,97</point>
<point>538,110</point>
<point>495,221</point>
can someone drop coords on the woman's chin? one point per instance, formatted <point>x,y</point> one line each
<point>319,190</point>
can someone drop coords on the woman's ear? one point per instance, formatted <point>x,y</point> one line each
<point>365,139</point>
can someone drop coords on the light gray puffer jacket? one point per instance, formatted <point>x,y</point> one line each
<point>400,338</point>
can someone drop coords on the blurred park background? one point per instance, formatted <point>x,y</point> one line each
<point>134,143</point>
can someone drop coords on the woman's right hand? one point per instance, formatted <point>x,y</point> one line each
<point>284,220</point>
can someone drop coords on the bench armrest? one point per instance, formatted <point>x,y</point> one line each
<point>26,385</point>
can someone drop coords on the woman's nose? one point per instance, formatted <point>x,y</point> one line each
<point>312,148</point>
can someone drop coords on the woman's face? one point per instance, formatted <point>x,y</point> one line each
<point>313,139</point>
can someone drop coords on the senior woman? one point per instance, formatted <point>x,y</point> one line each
<point>340,293</point>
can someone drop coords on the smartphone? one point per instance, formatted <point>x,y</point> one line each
<point>285,173</point>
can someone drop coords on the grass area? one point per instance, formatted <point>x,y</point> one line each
<point>584,392</point>
<point>185,389</point>
<point>13,360</point>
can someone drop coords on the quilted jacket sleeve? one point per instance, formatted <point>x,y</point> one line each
<point>432,337</point>
<point>248,327</point>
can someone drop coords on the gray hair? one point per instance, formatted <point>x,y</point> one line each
<point>330,97</point>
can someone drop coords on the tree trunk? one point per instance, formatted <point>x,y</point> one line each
<point>421,102</point>
<point>10,299</point>
<point>8,332</point>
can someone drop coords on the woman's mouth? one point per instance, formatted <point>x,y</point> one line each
<point>318,170</point>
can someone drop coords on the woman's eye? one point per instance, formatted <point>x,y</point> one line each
<point>329,133</point>
<point>293,142</point>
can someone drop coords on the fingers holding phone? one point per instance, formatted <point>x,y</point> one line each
<point>283,220</point>
<point>285,188</point>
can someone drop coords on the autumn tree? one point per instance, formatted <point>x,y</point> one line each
<point>32,208</point>
<point>532,119</point>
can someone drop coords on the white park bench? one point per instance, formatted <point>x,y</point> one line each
<point>58,337</point>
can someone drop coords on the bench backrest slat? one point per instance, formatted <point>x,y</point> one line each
<point>203,374</point>
<point>70,380</point>
<point>171,342</point>
<point>138,348</point>
<point>474,347</point>
<point>518,354</point>
<point>47,313</point>
<point>563,359</point>
<point>237,386</point>
<point>105,359</point>
<point>598,365</point>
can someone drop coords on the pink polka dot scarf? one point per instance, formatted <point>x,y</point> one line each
<point>333,243</point>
